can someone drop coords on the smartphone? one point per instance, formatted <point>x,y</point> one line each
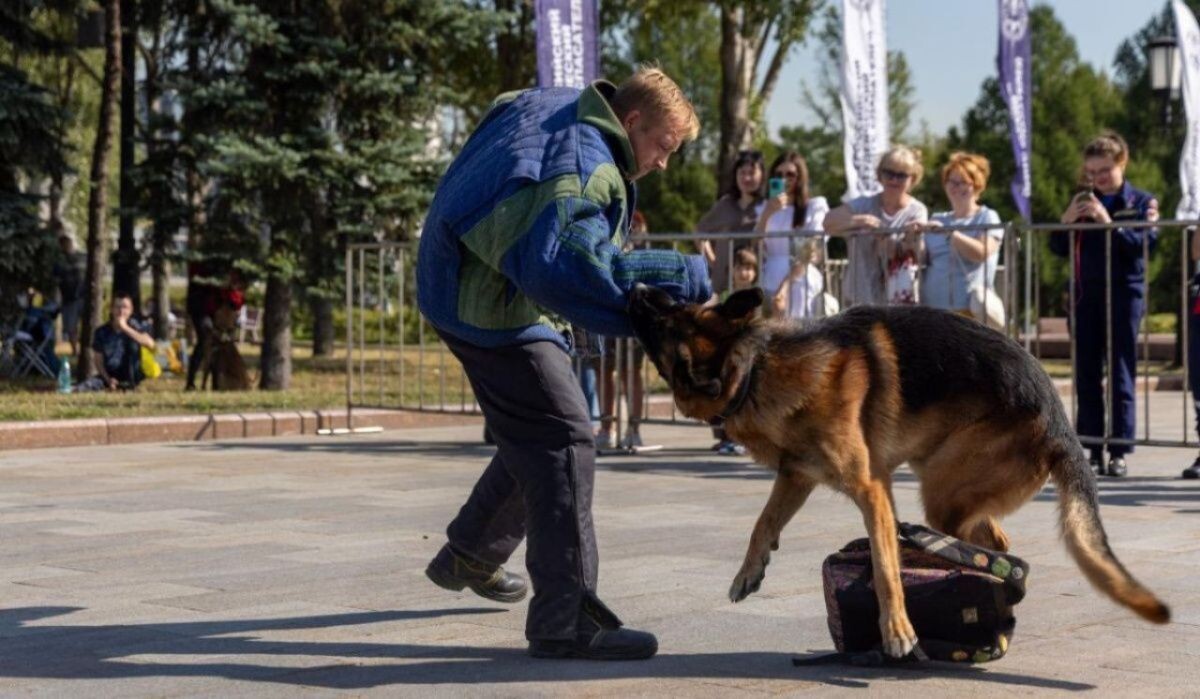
<point>775,187</point>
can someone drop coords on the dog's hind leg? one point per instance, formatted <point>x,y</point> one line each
<point>788,494</point>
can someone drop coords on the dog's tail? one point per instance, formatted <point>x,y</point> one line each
<point>1083,532</point>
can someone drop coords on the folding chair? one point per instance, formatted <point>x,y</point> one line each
<point>30,352</point>
<point>249,321</point>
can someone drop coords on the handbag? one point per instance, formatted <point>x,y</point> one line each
<point>959,598</point>
<point>987,307</point>
<point>984,303</point>
<point>150,366</point>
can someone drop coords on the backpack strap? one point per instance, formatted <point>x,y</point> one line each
<point>1012,571</point>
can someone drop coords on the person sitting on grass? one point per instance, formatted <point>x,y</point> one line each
<point>117,350</point>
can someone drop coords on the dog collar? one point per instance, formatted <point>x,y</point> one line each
<point>735,403</point>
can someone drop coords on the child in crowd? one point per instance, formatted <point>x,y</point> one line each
<point>800,292</point>
<point>745,276</point>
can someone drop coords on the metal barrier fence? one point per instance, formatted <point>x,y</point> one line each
<point>396,361</point>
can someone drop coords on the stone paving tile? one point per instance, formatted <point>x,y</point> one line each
<point>293,567</point>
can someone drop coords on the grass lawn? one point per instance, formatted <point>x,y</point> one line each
<point>431,379</point>
<point>317,383</point>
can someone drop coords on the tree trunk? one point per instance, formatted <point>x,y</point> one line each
<point>193,183</point>
<point>98,196</point>
<point>322,330</point>
<point>275,368</point>
<point>161,235</point>
<point>737,76</point>
<point>126,265</point>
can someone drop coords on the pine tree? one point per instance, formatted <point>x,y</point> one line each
<point>32,149</point>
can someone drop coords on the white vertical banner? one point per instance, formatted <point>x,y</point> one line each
<point>1188,36</point>
<point>864,93</point>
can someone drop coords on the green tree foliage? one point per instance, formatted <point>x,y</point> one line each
<point>33,150</point>
<point>1074,103</point>
<point>821,143</point>
<point>311,123</point>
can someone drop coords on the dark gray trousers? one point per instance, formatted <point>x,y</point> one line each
<point>539,484</point>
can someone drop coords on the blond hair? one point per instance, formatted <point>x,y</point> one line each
<point>1108,144</point>
<point>652,91</point>
<point>972,167</point>
<point>905,157</point>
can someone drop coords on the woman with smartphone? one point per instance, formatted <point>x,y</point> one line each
<point>735,212</point>
<point>875,258</point>
<point>1107,198</point>
<point>788,208</point>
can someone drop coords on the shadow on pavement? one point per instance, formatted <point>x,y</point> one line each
<point>666,461</point>
<point>1137,492</point>
<point>91,652</point>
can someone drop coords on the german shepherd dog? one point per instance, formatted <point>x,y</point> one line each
<point>847,400</point>
<point>222,360</point>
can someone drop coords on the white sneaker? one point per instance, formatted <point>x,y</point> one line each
<point>631,440</point>
<point>604,439</point>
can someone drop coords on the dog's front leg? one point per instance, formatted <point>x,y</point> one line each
<point>787,496</point>
<point>874,500</point>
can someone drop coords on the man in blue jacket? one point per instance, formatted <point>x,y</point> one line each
<point>524,238</point>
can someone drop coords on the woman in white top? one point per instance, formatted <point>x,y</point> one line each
<point>790,210</point>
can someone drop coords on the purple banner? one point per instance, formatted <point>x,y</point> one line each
<point>568,42</point>
<point>1016,83</point>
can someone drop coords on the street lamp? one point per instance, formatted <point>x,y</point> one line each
<point>1165,72</point>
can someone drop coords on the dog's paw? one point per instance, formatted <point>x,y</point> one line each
<point>747,582</point>
<point>899,638</point>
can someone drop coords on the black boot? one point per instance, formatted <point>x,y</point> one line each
<point>454,572</point>
<point>1097,465</point>
<point>1192,472</point>
<point>1116,467</point>
<point>598,636</point>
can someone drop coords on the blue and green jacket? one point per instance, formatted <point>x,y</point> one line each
<point>525,231</point>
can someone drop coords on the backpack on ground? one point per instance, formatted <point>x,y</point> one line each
<point>959,599</point>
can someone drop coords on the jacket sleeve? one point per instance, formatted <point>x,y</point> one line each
<point>567,263</point>
<point>1060,241</point>
<point>1129,240</point>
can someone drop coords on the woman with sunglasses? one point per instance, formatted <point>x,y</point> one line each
<point>735,212</point>
<point>789,210</point>
<point>1107,197</point>
<point>870,256</point>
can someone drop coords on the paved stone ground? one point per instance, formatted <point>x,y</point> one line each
<point>293,567</point>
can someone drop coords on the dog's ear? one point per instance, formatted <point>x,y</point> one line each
<point>741,304</point>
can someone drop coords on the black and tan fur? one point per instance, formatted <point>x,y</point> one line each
<point>844,402</point>
<point>222,360</point>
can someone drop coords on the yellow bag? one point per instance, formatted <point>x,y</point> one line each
<point>150,365</point>
<point>174,365</point>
